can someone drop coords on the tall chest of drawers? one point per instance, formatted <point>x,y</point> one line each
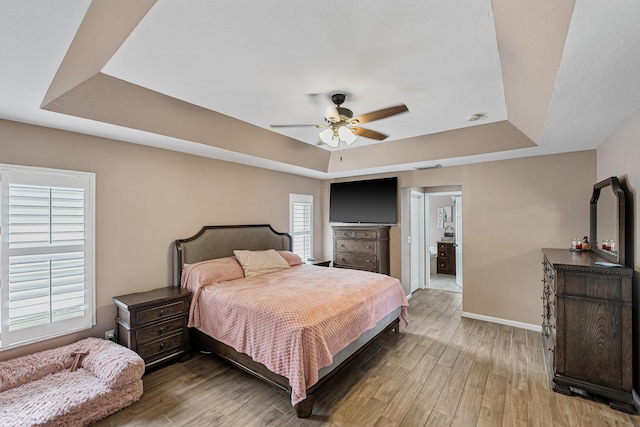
<point>154,323</point>
<point>361,248</point>
<point>587,326</point>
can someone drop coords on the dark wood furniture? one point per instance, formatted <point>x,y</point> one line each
<point>586,326</point>
<point>319,262</point>
<point>362,248</point>
<point>446,258</point>
<point>154,324</point>
<point>218,242</point>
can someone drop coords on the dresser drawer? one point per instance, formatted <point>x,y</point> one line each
<point>157,347</point>
<point>162,312</point>
<point>443,265</point>
<point>366,262</point>
<point>367,234</point>
<point>155,331</point>
<point>357,234</point>
<point>343,233</point>
<point>357,246</point>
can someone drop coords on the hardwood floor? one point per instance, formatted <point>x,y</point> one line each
<point>443,370</point>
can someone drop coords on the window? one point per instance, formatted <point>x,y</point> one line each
<point>301,224</point>
<point>46,253</point>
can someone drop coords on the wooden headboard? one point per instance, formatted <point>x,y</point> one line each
<point>219,241</point>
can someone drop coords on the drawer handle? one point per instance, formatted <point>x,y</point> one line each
<point>341,245</point>
<point>161,329</point>
<point>162,345</point>
<point>368,261</point>
<point>161,312</point>
<point>341,259</point>
<point>368,246</point>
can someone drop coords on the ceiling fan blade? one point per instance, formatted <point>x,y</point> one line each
<point>367,133</point>
<point>296,126</point>
<point>381,114</point>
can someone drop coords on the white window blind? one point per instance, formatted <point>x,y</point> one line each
<point>47,279</point>
<point>301,224</point>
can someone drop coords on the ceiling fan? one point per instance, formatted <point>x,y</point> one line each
<point>342,126</point>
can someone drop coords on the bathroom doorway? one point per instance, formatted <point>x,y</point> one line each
<point>436,239</point>
<point>444,239</point>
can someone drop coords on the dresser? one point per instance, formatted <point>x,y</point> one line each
<point>587,326</point>
<point>446,258</point>
<point>154,323</point>
<point>361,248</point>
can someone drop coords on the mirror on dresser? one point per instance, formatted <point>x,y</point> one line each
<point>607,226</point>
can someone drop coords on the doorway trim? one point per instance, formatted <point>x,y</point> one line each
<point>406,218</point>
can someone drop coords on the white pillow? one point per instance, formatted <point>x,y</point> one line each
<point>255,263</point>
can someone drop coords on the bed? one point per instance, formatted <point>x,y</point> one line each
<point>213,263</point>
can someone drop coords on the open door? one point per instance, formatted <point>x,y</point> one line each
<point>458,202</point>
<point>417,241</point>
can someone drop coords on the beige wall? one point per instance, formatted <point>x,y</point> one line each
<point>511,209</point>
<point>619,157</point>
<point>148,197</point>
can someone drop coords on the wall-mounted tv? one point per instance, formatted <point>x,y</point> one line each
<point>373,201</point>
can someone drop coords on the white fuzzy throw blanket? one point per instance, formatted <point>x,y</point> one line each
<point>40,389</point>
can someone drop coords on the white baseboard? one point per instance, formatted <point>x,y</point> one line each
<point>536,328</point>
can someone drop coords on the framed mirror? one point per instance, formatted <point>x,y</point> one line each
<point>607,220</point>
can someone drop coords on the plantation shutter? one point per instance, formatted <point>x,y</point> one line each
<point>47,255</point>
<point>301,225</point>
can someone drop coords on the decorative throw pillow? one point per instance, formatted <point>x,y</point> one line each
<point>255,263</point>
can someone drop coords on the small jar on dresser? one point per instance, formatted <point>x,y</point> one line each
<point>154,324</point>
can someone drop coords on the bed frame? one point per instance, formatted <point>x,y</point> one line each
<point>220,241</point>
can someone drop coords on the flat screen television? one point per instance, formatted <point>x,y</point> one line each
<point>373,201</point>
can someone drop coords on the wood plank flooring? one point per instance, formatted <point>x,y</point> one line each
<point>444,370</point>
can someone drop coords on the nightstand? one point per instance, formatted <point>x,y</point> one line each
<point>154,324</point>
<point>319,262</point>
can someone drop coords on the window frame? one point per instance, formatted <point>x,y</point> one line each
<point>47,178</point>
<point>293,200</point>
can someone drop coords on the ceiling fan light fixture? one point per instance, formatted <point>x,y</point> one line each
<point>327,136</point>
<point>347,135</point>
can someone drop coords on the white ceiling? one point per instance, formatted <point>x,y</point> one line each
<point>259,62</point>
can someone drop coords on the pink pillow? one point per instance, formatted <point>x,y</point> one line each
<point>291,258</point>
<point>211,271</point>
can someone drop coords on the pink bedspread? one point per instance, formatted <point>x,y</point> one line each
<point>292,321</point>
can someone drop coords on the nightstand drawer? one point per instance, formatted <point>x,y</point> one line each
<point>157,347</point>
<point>153,332</point>
<point>158,313</point>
